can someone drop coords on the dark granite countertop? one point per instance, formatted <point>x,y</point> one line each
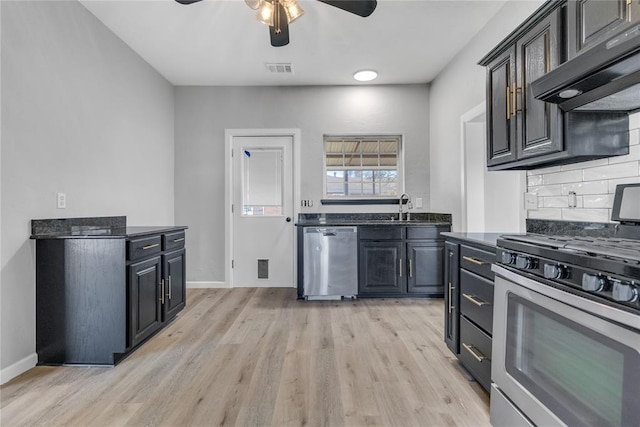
<point>485,239</point>
<point>362,219</point>
<point>93,228</point>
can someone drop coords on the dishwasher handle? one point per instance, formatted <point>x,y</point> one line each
<point>329,233</point>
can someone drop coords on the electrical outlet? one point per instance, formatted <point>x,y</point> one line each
<point>418,202</point>
<point>530,201</point>
<point>306,203</point>
<point>61,200</point>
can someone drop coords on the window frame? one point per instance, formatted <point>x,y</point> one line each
<point>399,167</point>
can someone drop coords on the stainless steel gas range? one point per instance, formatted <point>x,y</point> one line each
<point>566,326</point>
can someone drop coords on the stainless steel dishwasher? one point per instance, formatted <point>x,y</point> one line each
<point>330,262</point>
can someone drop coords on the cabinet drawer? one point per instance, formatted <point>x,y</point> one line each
<point>171,241</point>
<point>143,247</point>
<point>423,232</point>
<point>381,233</point>
<point>476,299</point>
<point>475,352</point>
<point>477,260</point>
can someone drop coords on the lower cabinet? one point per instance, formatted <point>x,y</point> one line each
<point>468,316</point>
<point>156,283</point>
<point>451,298</point>
<point>98,298</point>
<point>401,261</point>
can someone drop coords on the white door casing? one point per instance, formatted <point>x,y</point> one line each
<point>492,201</point>
<point>261,173</point>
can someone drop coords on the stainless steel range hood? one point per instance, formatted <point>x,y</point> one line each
<point>604,78</point>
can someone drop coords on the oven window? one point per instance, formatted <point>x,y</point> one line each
<point>583,377</point>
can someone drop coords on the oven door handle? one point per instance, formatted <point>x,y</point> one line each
<point>477,355</point>
<point>475,300</point>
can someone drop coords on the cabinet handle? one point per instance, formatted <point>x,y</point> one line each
<point>477,355</point>
<point>508,103</point>
<point>410,268</point>
<point>475,300</point>
<point>514,102</point>
<point>144,248</point>
<point>450,296</point>
<point>474,260</point>
<point>162,291</point>
<point>178,240</point>
<point>169,286</point>
<point>400,265</point>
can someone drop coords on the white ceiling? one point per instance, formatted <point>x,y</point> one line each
<point>220,43</point>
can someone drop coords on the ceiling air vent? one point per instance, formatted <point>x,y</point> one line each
<point>280,68</point>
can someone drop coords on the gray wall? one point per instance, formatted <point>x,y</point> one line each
<point>81,114</point>
<point>456,90</point>
<point>203,114</point>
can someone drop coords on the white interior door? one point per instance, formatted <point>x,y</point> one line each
<point>262,218</point>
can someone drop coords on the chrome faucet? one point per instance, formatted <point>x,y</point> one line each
<point>403,197</point>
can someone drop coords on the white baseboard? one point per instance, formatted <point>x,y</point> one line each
<point>204,285</point>
<point>21,366</point>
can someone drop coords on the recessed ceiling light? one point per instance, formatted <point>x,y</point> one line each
<point>365,75</point>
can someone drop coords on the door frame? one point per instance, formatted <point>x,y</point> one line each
<point>469,117</point>
<point>229,135</point>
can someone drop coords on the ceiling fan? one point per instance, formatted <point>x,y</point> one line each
<point>278,14</point>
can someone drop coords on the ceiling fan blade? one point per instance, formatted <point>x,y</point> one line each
<point>362,8</point>
<point>280,38</point>
<point>187,1</point>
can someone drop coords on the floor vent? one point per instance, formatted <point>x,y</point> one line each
<point>280,68</point>
<point>263,269</point>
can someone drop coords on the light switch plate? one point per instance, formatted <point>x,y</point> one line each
<point>418,202</point>
<point>530,201</point>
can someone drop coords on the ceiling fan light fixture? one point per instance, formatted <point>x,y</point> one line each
<point>365,75</point>
<point>254,4</point>
<point>292,9</point>
<point>266,12</point>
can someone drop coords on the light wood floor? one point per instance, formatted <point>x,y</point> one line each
<point>254,357</point>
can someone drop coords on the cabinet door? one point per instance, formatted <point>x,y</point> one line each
<point>381,268</point>
<point>591,22</point>
<point>145,299</point>
<point>175,283</point>
<point>501,120</point>
<point>539,123</point>
<point>424,269</point>
<point>451,299</point>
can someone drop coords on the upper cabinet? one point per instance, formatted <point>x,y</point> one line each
<point>518,125</point>
<point>525,133</point>
<point>593,21</point>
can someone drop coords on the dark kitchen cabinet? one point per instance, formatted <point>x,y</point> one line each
<point>401,261</point>
<point>591,22</point>
<point>98,298</point>
<point>518,125</point>
<point>501,129</point>
<point>525,133</point>
<point>381,267</point>
<point>468,316</point>
<point>156,283</point>
<point>424,272</point>
<point>174,267</point>
<point>451,296</point>
<point>145,299</point>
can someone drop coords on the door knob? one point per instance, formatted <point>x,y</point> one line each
<point>288,219</point>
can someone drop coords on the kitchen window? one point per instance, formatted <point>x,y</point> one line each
<point>363,166</point>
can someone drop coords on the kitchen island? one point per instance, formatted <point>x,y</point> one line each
<point>103,288</point>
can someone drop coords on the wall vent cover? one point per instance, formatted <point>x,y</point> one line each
<point>263,269</point>
<point>280,68</point>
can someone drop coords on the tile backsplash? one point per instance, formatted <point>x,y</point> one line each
<point>594,183</point>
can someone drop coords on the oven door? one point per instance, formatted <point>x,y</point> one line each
<point>559,360</point>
